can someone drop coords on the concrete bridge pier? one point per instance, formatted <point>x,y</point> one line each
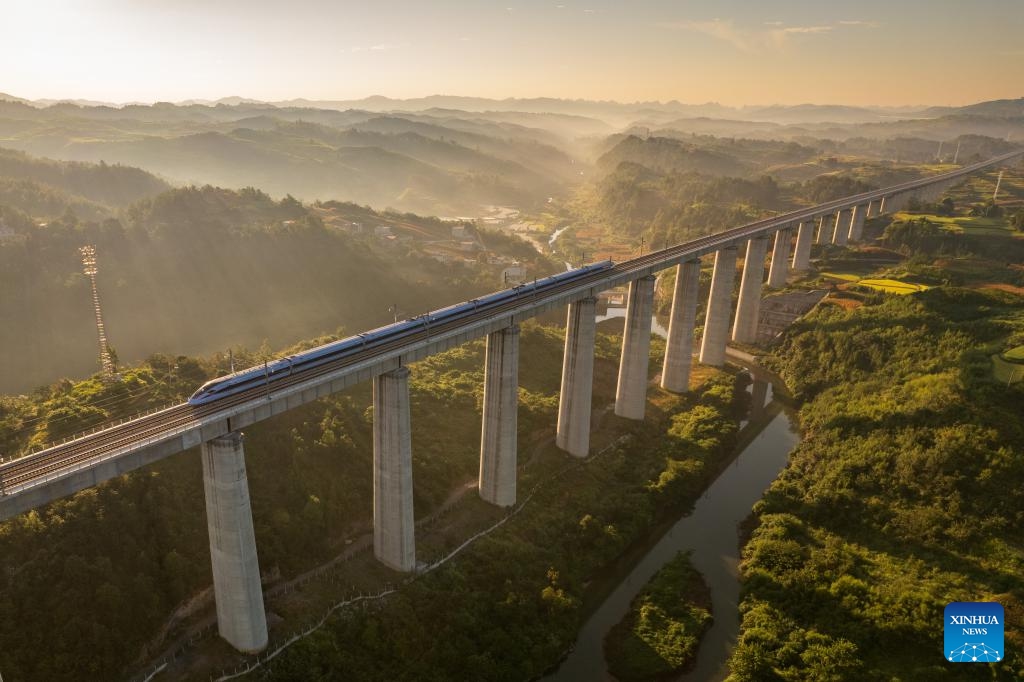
<point>716,322</point>
<point>824,230</point>
<point>842,227</point>
<point>631,391</point>
<point>872,211</point>
<point>573,433</point>
<point>779,270</point>
<point>394,530</point>
<point>749,302</point>
<point>802,251</point>
<point>241,620</point>
<point>857,222</point>
<point>675,372</point>
<point>497,483</point>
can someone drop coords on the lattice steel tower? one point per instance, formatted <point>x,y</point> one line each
<point>90,269</point>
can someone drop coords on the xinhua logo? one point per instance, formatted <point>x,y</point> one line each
<point>974,632</point>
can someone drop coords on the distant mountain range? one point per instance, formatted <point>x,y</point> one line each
<point>434,161</point>
<point>611,111</point>
<point>441,154</point>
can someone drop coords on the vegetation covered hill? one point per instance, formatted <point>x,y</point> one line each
<point>667,188</point>
<point>450,163</point>
<point>47,189</point>
<point>668,155</point>
<point>509,606</point>
<point>197,270</point>
<point>990,121</point>
<point>506,609</point>
<point>906,493</point>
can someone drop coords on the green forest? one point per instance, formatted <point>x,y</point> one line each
<point>665,189</point>
<point>906,493</point>
<point>508,607</point>
<point>212,268</point>
<point>660,634</point>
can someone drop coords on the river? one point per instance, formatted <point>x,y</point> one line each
<point>656,327</point>
<point>711,533</point>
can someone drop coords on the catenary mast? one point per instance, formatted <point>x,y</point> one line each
<point>90,269</point>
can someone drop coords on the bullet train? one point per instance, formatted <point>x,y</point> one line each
<point>276,370</point>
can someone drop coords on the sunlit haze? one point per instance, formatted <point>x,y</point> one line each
<point>870,52</point>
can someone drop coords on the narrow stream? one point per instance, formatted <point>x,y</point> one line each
<point>556,234</point>
<point>711,533</point>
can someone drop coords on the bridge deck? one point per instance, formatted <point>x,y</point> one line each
<point>85,461</point>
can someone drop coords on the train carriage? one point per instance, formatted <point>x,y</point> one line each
<point>276,370</point>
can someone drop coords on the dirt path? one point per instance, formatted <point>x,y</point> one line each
<point>204,600</point>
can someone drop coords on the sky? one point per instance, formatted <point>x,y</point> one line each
<point>735,52</point>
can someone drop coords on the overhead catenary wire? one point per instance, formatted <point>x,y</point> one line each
<point>136,433</point>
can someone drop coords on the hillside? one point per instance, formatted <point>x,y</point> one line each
<point>667,155</point>
<point>815,113</point>
<point>657,189</point>
<point>457,156</point>
<point>202,269</point>
<point>905,494</point>
<point>436,162</point>
<point>1000,108</point>
<point>46,189</point>
<point>516,599</point>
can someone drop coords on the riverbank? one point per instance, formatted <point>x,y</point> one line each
<point>537,569</point>
<point>905,495</point>
<point>760,451</point>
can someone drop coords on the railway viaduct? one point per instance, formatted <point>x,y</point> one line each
<point>90,459</point>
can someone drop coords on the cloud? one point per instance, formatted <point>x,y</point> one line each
<point>806,29</point>
<point>379,47</point>
<point>720,29</point>
<point>859,22</point>
<point>748,39</point>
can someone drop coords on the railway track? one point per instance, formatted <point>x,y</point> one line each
<point>97,446</point>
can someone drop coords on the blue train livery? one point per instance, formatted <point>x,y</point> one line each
<point>265,375</point>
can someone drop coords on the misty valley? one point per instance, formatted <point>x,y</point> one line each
<point>633,366</point>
